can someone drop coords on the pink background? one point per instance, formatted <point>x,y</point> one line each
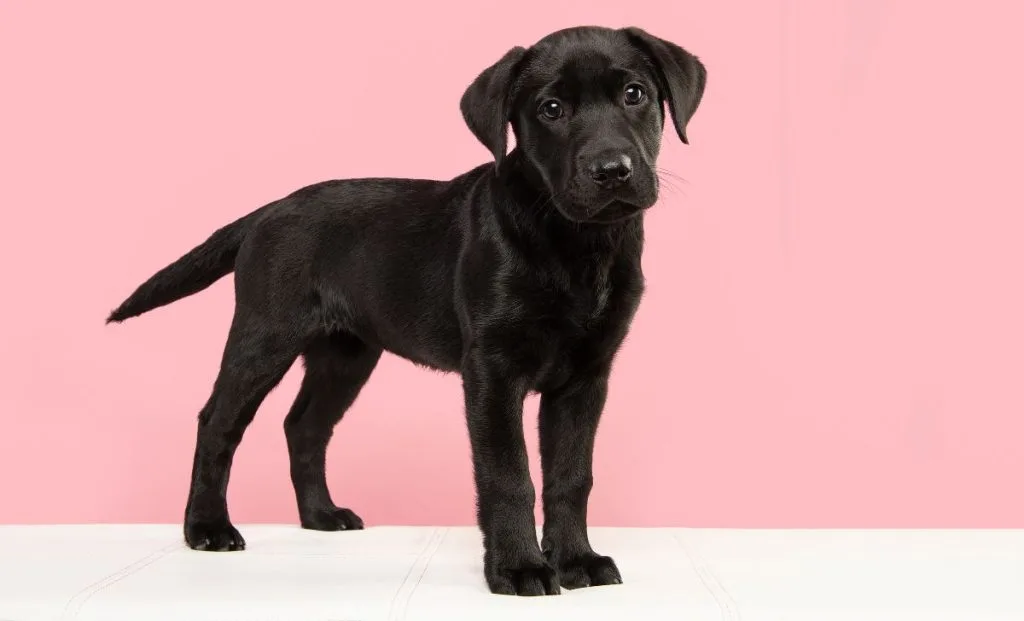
<point>841,274</point>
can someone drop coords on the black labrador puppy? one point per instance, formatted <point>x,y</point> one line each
<point>522,275</point>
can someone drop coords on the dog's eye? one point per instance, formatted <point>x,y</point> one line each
<point>635,95</point>
<point>551,109</point>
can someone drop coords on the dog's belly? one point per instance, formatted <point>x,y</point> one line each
<point>421,328</point>
<point>435,344</point>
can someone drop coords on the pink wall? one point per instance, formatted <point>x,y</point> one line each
<point>841,273</point>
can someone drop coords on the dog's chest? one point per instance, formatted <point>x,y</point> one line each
<point>568,300</point>
<point>569,319</point>
<point>584,297</point>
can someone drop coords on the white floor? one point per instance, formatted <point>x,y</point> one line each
<point>144,573</point>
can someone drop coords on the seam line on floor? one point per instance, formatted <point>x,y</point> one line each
<point>79,599</point>
<point>726,604</point>
<point>400,602</point>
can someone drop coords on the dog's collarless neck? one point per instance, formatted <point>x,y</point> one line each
<point>522,180</point>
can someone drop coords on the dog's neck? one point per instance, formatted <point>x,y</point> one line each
<point>517,173</point>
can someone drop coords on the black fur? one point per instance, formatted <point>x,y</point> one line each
<point>523,275</point>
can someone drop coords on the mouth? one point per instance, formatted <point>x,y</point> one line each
<point>619,205</point>
<point>616,211</point>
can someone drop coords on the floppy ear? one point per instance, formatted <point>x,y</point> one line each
<point>682,75</point>
<point>486,104</point>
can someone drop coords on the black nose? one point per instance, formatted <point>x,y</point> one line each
<point>610,170</point>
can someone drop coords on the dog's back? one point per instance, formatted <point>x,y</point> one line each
<point>374,258</point>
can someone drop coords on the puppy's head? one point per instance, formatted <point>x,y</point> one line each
<point>587,107</point>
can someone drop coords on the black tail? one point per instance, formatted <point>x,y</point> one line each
<point>201,267</point>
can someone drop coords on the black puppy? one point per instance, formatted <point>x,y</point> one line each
<point>522,275</point>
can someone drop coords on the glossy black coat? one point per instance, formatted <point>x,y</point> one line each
<point>523,275</point>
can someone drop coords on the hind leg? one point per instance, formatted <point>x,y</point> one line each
<point>256,357</point>
<point>337,367</point>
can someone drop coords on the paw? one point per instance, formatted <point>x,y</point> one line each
<point>587,570</point>
<point>332,519</point>
<point>523,579</point>
<point>213,537</point>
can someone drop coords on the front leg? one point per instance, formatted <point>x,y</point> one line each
<point>513,563</point>
<point>568,425</point>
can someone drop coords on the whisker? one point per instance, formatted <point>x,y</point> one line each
<point>670,184</point>
<point>673,175</point>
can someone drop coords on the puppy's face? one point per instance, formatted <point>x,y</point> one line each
<point>587,109</point>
